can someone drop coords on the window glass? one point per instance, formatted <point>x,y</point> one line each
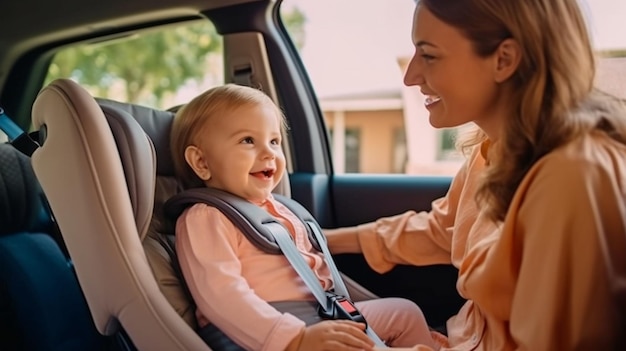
<point>399,150</point>
<point>160,68</point>
<point>349,143</point>
<point>356,51</point>
<point>605,19</point>
<point>446,148</point>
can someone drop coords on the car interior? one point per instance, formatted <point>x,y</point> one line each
<point>85,249</point>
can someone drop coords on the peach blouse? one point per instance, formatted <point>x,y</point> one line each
<point>538,280</point>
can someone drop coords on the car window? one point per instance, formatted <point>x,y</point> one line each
<point>355,52</point>
<point>160,68</point>
<point>606,22</point>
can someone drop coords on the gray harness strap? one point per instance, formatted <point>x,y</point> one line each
<point>249,218</point>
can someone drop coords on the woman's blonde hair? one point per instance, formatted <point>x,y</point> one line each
<point>554,100</point>
<point>194,117</point>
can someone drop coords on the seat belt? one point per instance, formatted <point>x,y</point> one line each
<point>242,75</point>
<point>17,137</point>
<point>22,141</point>
<point>314,229</point>
<point>269,235</point>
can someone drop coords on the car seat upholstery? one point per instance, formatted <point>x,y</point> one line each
<point>41,304</point>
<point>101,189</point>
<point>108,197</point>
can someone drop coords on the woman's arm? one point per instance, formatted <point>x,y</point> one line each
<point>416,238</point>
<point>343,240</point>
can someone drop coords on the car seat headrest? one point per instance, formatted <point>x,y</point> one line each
<point>156,124</point>
<point>138,162</point>
<point>21,206</point>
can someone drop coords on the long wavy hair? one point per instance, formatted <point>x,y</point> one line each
<point>554,98</point>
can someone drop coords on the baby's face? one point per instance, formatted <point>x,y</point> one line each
<point>243,153</point>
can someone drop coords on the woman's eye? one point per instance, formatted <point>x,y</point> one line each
<point>275,142</point>
<point>427,57</point>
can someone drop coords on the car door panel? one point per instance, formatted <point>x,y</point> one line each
<point>359,198</point>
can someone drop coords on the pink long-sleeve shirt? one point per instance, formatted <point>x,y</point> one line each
<point>231,280</point>
<point>540,280</point>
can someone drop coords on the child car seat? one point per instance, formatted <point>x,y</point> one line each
<point>117,173</point>
<point>41,304</point>
<point>101,190</point>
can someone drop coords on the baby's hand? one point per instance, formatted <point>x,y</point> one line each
<point>336,335</point>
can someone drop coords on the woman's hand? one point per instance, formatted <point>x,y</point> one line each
<point>343,240</point>
<point>336,335</point>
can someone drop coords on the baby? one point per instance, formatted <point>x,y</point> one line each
<point>229,138</point>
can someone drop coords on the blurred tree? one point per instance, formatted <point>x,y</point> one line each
<point>612,53</point>
<point>150,65</point>
<point>158,62</point>
<point>294,20</point>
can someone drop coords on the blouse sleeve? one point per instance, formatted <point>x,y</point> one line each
<point>562,299</point>
<point>206,244</point>
<point>415,238</point>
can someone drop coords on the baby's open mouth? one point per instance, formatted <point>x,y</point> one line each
<point>266,173</point>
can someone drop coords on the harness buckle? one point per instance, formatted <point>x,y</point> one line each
<point>340,308</point>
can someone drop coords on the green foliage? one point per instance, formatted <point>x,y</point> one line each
<point>294,21</point>
<point>154,63</point>
<point>150,66</point>
<point>447,143</point>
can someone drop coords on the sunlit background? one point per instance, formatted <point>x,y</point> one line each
<point>354,51</point>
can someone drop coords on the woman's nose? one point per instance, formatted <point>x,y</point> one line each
<point>413,74</point>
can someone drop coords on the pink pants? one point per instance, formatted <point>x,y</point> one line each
<point>399,322</point>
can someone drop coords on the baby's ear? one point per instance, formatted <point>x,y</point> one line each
<point>508,57</point>
<point>195,159</point>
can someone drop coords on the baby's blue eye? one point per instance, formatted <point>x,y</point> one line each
<point>247,140</point>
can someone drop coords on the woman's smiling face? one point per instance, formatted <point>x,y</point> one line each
<point>458,84</point>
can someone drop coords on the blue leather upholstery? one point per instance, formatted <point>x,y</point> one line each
<point>41,304</point>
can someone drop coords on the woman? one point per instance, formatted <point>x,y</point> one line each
<point>530,217</point>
